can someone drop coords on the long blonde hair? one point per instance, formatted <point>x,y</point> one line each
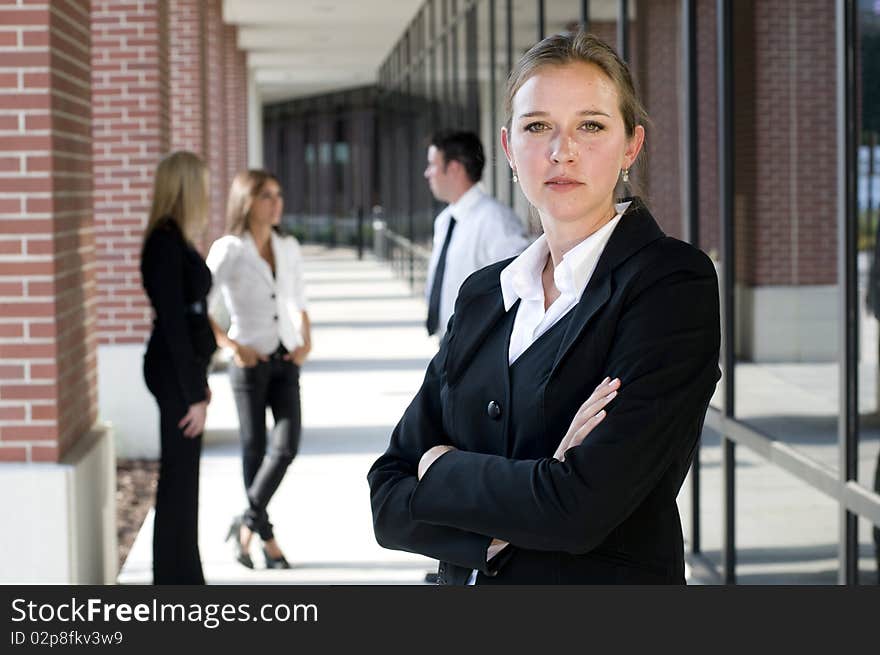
<point>180,192</point>
<point>246,186</point>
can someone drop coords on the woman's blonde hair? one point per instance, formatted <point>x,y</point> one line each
<point>246,186</point>
<point>180,193</point>
<point>579,47</point>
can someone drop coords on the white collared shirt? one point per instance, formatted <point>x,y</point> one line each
<point>485,232</point>
<point>264,310</point>
<point>521,280</point>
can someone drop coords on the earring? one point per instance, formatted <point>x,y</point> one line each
<point>515,178</point>
<point>625,175</point>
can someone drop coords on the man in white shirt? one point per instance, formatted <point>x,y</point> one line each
<point>473,231</point>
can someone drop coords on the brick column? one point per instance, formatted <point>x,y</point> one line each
<point>795,158</point>
<point>215,113</point>
<point>131,130</point>
<point>48,388</point>
<point>785,194</point>
<point>233,90</point>
<point>658,75</point>
<point>131,133</point>
<point>707,133</point>
<point>47,347</point>
<point>186,69</point>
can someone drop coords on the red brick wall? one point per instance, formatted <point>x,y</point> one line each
<point>215,111</point>
<point>48,391</point>
<point>658,73</point>
<point>707,134</point>
<point>794,231</point>
<point>131,133</point>
<point>187,98</point>
<point>234,94</point>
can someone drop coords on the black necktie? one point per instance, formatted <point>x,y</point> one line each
<point>434,301</point>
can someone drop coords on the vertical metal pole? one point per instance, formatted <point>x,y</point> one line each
<point>509,27</point>
<point>691,198</point>
<point>360,228</point>
<point>493,102</point>
<point>443,34</point>
<point>541,20</point>
<point>623,29</point>
<point>847,226</point>
<point>585,15</point>
<point>725,188</point>
<point>407,88</point>
<point>872,169</point>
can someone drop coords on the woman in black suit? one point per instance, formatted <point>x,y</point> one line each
<point>177,282</point>
<point>491,469</point>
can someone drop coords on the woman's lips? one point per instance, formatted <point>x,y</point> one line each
<point>562,184</point>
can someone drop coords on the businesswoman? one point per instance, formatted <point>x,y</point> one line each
<point>519,461</point>
<point>259,274</point>
<point>176,362</point>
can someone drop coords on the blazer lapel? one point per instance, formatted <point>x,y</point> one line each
<point>257,261</point>
<point>472,324</point>
<point>637,228</point>
<point>279,255</point>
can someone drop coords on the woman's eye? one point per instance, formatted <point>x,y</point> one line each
<point>593,126</point>
<point>535,127</point>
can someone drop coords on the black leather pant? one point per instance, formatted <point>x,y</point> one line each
<point>176,557</point>
<point>273,384</point>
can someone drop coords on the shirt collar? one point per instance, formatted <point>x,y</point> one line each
<point>465,204</point>
<point>522,277</point>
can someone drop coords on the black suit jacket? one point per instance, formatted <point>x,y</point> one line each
<point>650,316</point>
<point>177,282</point>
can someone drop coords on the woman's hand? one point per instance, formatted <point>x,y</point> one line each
<point>246,357</point>
<point>298,356</point>
<point>431,456</point>
<point>588,416</point>
<point>193,423</point>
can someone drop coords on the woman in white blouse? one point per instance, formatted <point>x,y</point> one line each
<point>259,274</point>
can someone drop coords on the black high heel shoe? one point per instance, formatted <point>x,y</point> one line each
<point>272,563</point>
<point>241,556</point>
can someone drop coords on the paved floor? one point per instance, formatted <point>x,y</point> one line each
<point>369,358</point>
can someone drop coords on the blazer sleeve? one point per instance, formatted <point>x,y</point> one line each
<point>393,478</point>
<point>296,265</point>
<point>163,270</point>
<point>665,351</point>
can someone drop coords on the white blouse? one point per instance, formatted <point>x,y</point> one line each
<point>264,310</point>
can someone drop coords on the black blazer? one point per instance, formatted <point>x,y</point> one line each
<point>177,281</point>
<point>650,316</point>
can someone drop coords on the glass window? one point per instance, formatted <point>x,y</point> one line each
<point>488,132</point>
<point>524,14</point>
<point>603,20</point>
<point>785,208</point>
<point>868,246</point>
<point>503,184</point>
<point>561,16</point>
<point>468,45</point>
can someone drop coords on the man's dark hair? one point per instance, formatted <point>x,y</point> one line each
<point>463,147</point>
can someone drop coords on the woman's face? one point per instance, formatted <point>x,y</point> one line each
<point>267,205</point>
<point>567,142</point>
